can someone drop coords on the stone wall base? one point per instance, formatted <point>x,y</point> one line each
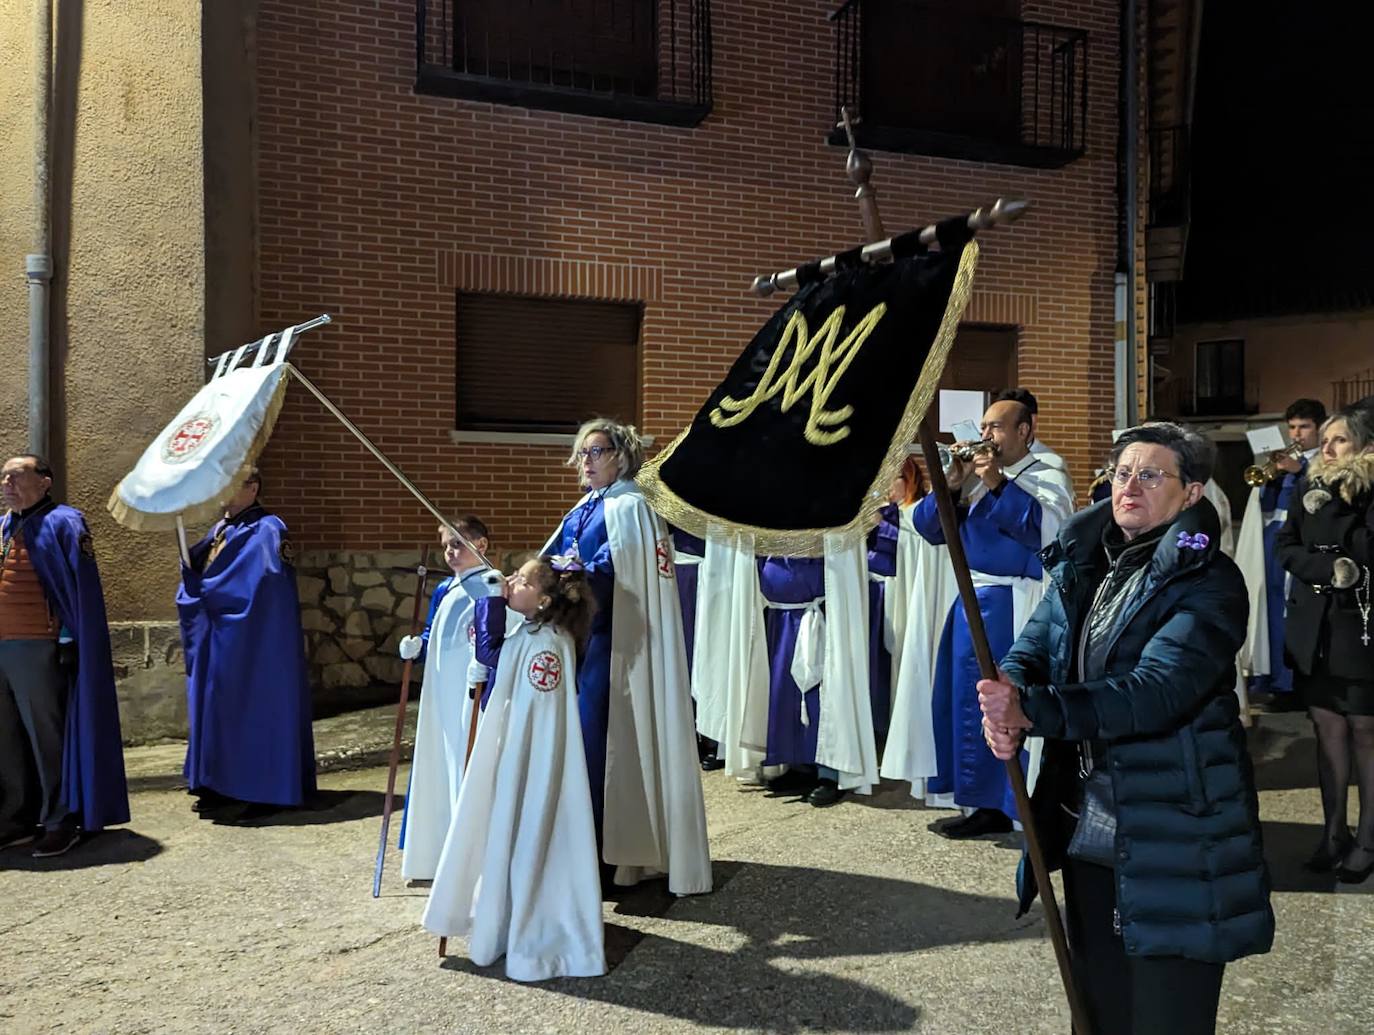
<point>355,607</point>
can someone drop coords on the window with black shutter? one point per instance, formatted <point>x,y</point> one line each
<point>544,365</point>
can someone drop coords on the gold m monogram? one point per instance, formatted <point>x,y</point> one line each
<point>819,383</point>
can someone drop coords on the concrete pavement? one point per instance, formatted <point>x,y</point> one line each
<point>850,919</point>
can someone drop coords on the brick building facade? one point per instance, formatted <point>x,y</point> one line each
<point>379,205</point>
<point>328,164</point>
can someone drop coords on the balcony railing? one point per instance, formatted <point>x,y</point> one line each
<point>935,81</point>
<point>1350,390</point>
<point>639,60</point>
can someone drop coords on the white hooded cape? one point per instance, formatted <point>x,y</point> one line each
<point>655,816</point>
<point>1213,492</point>
<point>1253,657</point>
<point>1047,456</point>
<point>929,588</point>
<point>897,597</point>
<point>844,736</point>
<point>730,661</point>
<point>518,874</point>
<point>1218,499</point>
<point>441,733</point>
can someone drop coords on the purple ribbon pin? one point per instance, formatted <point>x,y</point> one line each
<point>1197,541</point>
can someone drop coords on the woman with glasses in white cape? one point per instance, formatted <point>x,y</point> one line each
<point>634,692</point>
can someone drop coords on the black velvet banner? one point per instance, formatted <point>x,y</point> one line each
<point>812,422</point>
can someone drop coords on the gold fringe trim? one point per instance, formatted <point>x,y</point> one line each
<point>211,510</point>
<point>810,542</point>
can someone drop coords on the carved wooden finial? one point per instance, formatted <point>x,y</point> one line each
<point>859,169</point>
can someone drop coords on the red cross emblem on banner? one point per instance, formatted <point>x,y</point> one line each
<point>188,438</point>
<point>546,671</point>
<point>665,559</point>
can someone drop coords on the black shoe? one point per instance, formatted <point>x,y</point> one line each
<point>208,801</point>
<point>982,821</point>
<point>56,842</point>
<point>1327,858</point>
<point>827,793</point>
<point>710,763</point>
<point>794,781</point>
<point>1347,874</point>
<point>244,812</point>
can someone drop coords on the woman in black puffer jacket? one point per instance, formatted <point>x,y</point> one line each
<point>1327,546</point>
<point>1126,669</point>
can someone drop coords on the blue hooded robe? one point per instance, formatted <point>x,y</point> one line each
<point>63,556</point>
<point>1275,499</point>
<point>1001,537</point>
<point>584,528</point>
<point>248,698</point>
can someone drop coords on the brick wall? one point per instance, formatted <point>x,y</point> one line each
<point>377,205</point>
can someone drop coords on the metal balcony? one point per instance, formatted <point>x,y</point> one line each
<point>931,80</point>
<point>1166,241</point>
<point>637,60</point>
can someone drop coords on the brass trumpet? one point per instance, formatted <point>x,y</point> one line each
<point>965,453</point>
<point>1262,474</point>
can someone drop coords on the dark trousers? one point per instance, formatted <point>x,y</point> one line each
<point>1131,995</point>
<point>33,723</point>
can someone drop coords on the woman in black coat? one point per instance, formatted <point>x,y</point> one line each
<point>1327,546</point>
<point>1146,795</point>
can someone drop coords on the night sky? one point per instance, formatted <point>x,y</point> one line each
<point>1283,148</point>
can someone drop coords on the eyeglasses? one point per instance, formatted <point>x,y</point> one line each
<point>1147,477</point>
<point>595,453</point>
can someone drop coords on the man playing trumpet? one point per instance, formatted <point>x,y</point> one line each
<point>1304,417</point>
<point>1010,504</point>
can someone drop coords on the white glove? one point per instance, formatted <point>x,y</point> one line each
<point>477,672</point>
<point>409,647</point>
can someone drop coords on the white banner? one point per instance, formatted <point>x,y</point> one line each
<point>198,460</point>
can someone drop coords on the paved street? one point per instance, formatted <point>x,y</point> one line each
<point>853,919</point>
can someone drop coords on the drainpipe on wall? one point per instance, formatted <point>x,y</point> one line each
<point>38,266</point>
<point>1121,409</point>
<point>1127,410</point>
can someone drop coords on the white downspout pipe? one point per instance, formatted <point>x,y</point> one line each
<point>38,265</point>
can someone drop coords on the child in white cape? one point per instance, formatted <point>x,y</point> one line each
<point>518,874</point>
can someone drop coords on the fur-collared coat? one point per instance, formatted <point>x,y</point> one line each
<point>1333,518</point>
<point>1190,874</point>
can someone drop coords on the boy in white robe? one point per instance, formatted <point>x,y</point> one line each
<point>441,732</point>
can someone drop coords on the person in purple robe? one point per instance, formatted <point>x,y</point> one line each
<point>792,587</point>
<point>251,748</point>
<point>61,756</point>
<point>882,566</point>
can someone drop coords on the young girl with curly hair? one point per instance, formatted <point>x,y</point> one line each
<point>518,875</point>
